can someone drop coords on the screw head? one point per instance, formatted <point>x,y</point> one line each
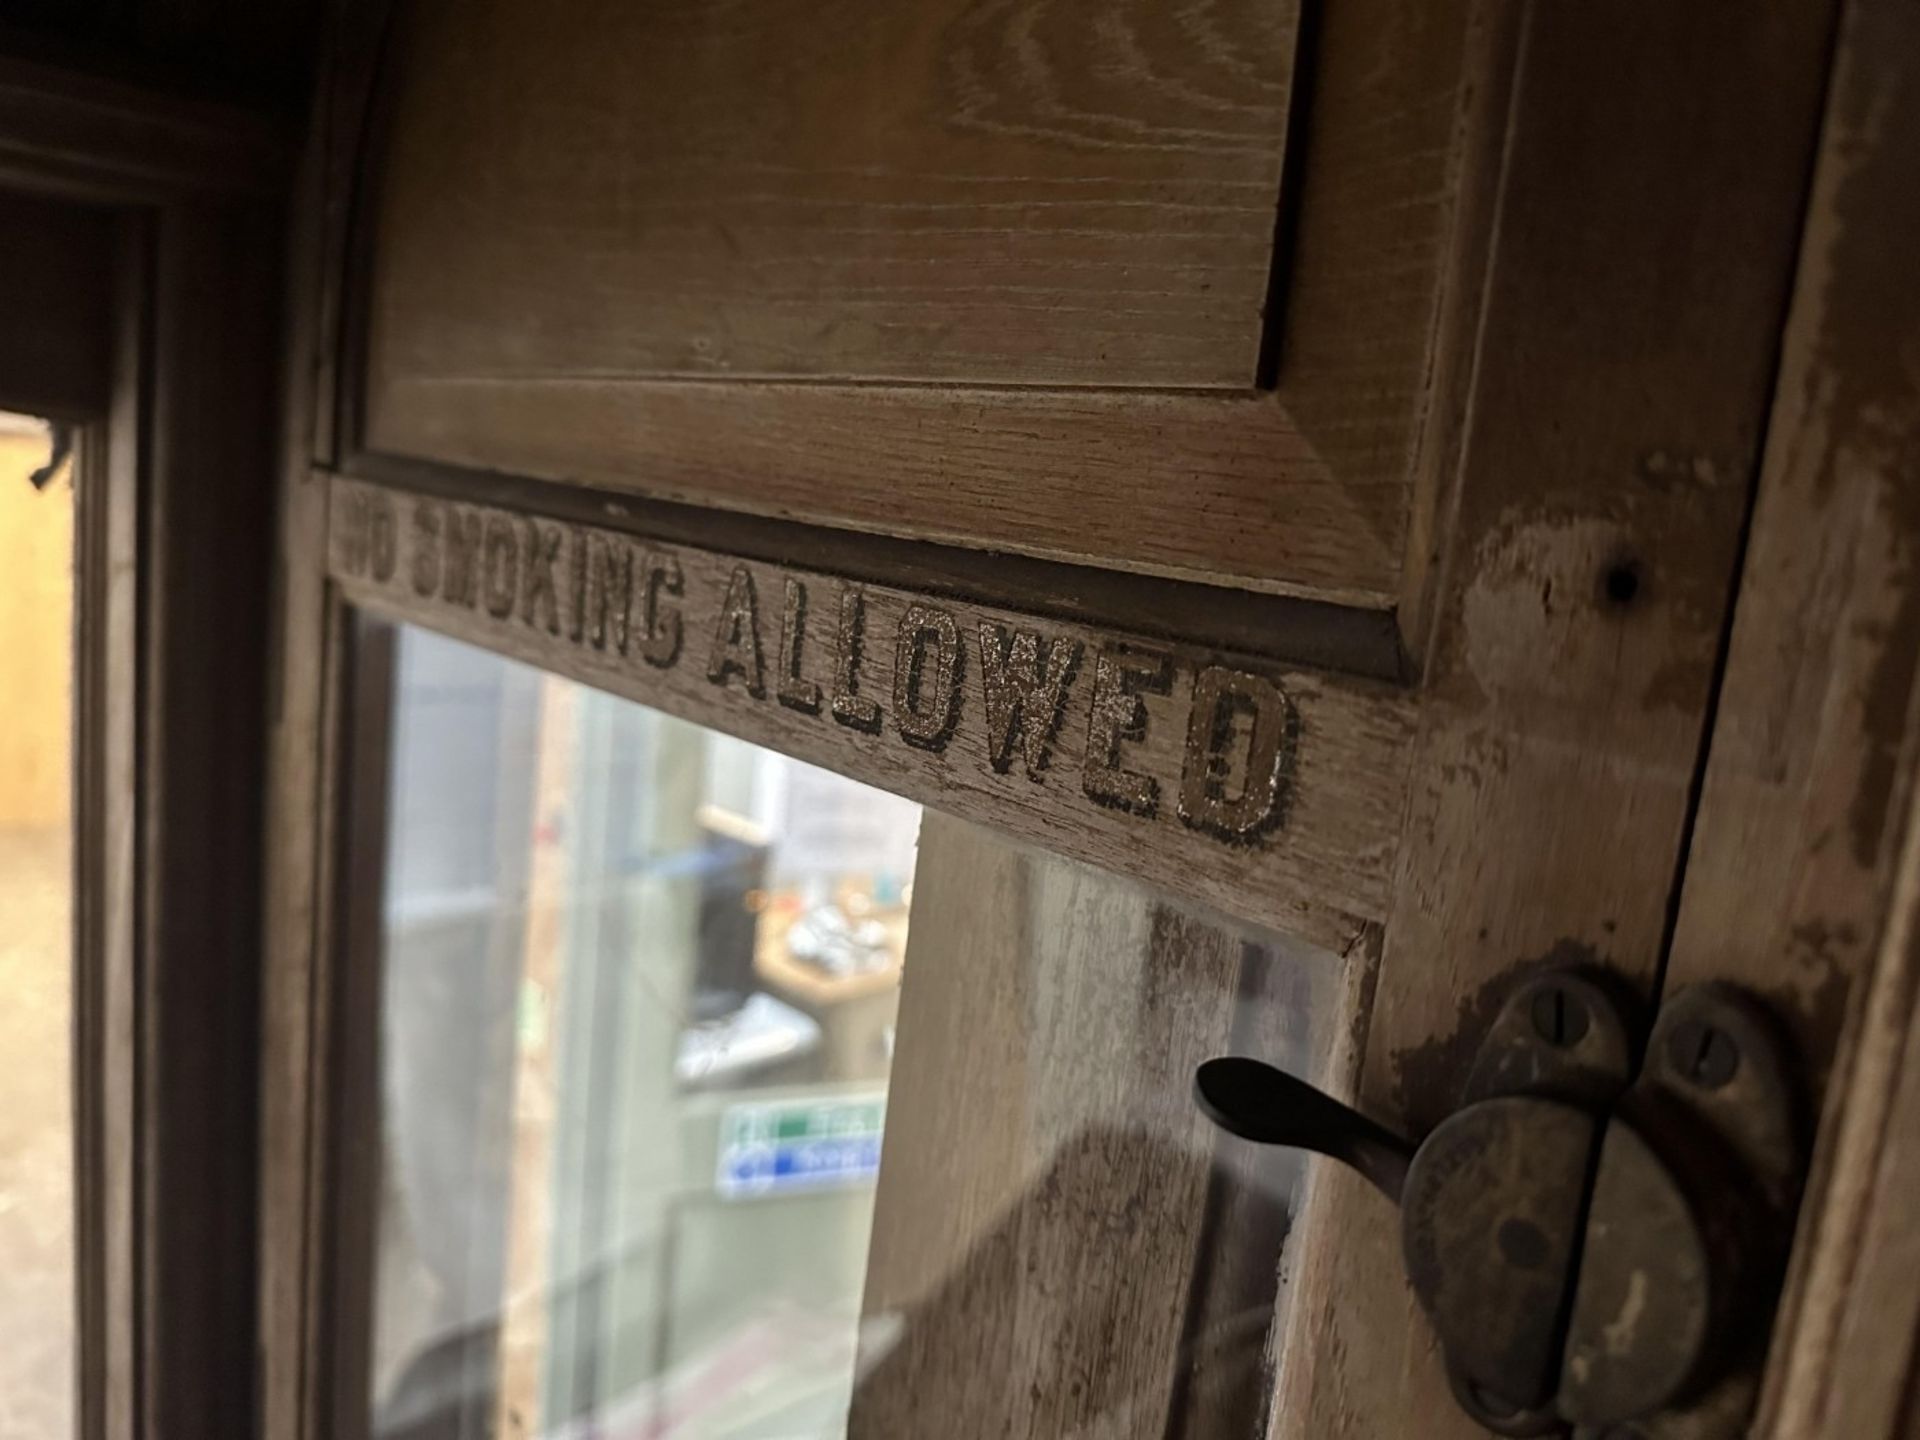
<point>1704,1054</point>
<point>1559,1016</point>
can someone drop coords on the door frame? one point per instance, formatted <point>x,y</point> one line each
<point>1803,877</point>
<point>1621,577</point>
<point>171,348</point>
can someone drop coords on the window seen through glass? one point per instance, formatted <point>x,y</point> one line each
<point>637,992</point>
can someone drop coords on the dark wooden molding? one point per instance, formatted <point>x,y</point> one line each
<point>170,362</point>
<point>213,440</point>
<point>116,143</point>
<point>55,314</point>
<point>347,1162</point>
<point>109,1245</point>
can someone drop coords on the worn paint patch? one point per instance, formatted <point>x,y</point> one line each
<point>1629,594</point>
<point>1866,378</point>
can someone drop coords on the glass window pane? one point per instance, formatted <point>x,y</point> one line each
<point>36,938</point>
<point>1065,1246</point>
<point>636,993</point>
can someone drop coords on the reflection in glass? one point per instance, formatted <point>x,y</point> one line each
<point>1066,1247</point>
<point>636,1001</point>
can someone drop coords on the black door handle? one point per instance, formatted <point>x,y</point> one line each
<point>1553,1226</point>
<point>1253,1100</point>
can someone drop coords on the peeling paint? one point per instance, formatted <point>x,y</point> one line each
<point>1865,377</point>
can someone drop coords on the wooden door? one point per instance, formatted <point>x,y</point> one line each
<point>1277,483</point>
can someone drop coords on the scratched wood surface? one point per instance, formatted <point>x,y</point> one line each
<point>540,254</point>
<point>1649,210</point>
<point>1801,876</point>
<point>1813,742</point>
<point>1281,801</point>
<point>1846,1356</point>
<point>1061,1244</point>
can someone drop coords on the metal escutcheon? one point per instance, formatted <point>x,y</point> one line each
<point>1591,1248</point>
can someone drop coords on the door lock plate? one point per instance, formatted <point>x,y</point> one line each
<point>1592,1246</point>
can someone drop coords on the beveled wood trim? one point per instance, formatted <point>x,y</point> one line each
<point>347,121</point>
<point>169,629</point>
<point>1107,756</point>
<point>1295,631</point>
<point>1475,162</point>
<point>1225,489</point>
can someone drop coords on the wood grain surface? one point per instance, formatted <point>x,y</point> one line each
<point>582,299</point>
<point>1650,207</point>
<point>1813,746</point>
<point>1801,874</point>
<point>1222,490</point>
<point>1078,739</point>
<point>1846,1359</point>
<point>1029,192</point>
<point>1529,294</point>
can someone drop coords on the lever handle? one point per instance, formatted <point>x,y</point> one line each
<point>1253,1100</point>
